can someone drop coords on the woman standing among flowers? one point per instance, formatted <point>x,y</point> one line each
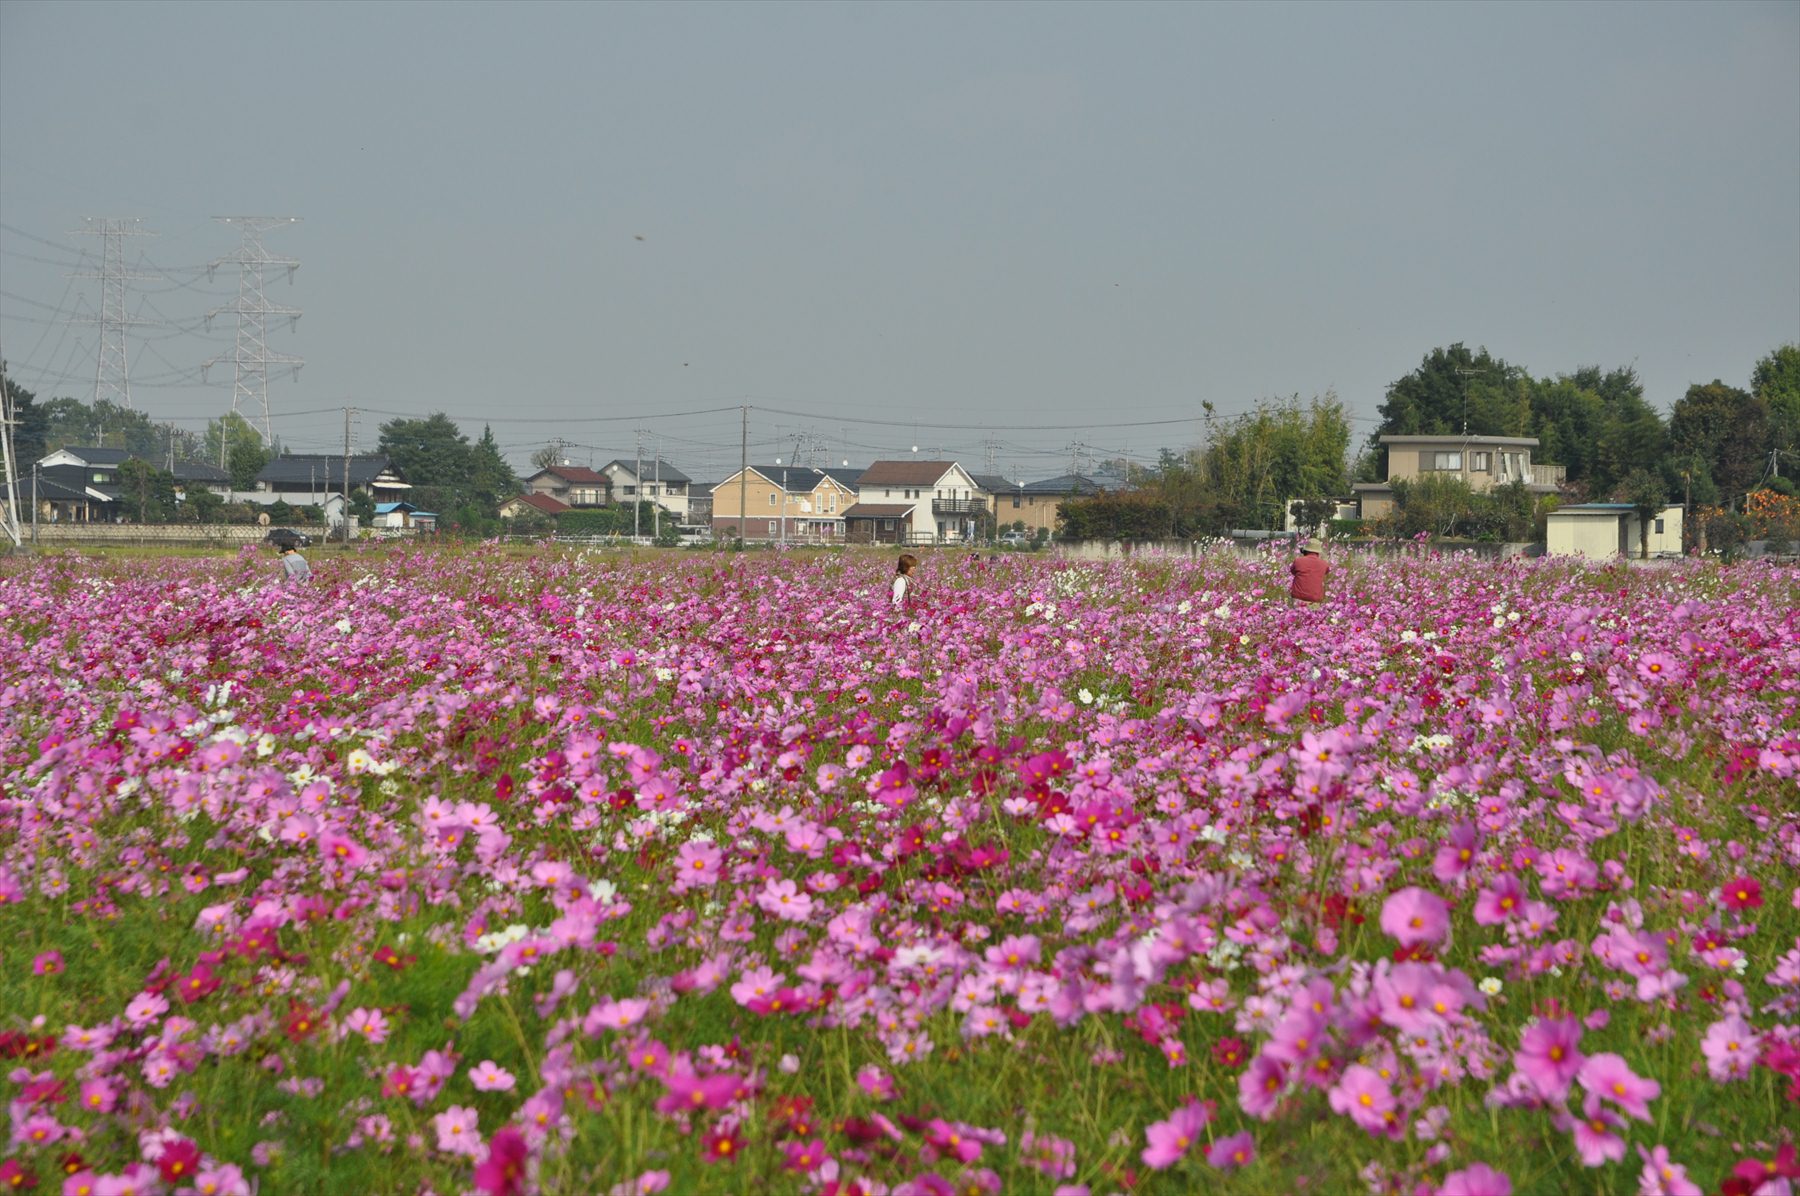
<point>903,578</point>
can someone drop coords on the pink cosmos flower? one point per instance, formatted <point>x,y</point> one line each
<point>1499,901</point>
<point>1730,1047</point>
<point>1170,1139</point>
<point>1595,1141</point>
<point>488,1076</point>
<point>1609,1077</point>
<point>50,963</point>
<point>1549,1056</point>
<point>784,900</point>
<point>1415,917</point>
<point>1662,1176</point>
<point>1228,1154</point>
<point>1261,1085</point>
<point>1364,1097</point>
<point>1477,1179</point>
<point>458,1131</point>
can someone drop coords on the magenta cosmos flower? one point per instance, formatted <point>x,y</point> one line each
<point>1478,1179</point>
<point>1415,917</point>
<point>1171,1138</point>
<point>1550,1056</point>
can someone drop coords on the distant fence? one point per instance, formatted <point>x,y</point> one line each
<point>1124,550</point>
<point>174,535</point>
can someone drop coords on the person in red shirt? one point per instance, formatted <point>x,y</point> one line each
<point>1309,570</point>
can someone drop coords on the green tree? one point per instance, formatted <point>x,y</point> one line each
<point>1721,433</point>
<point>1258,461</point>
<point>147,490</point>
<point>203,506</point>
<point>1454,390</point>
<point>1776,381</point>
<point>463,483</point>
<point>243,451</point>
<point>31,431</point>
<point>1643,489</point>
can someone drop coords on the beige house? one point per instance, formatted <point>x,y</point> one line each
<point>783,503</point>
<point>1606,530</point>
<point>1484,462</point>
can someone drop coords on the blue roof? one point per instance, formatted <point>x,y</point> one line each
<point>386,508</point>
<point>1598,506</point>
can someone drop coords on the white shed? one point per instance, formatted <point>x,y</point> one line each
<point>1604,530</point>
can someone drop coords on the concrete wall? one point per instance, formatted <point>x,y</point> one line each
<point>75,535</point>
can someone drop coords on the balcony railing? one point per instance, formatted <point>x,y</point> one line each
<point>957,506</point>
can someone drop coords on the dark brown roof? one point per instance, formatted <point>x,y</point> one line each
<point>879,510</point>
<point>578,473</point>
<point>905,473</point>
<point>543,502</point>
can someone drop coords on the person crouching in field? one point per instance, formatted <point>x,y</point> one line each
<point>1309,570</point>
<point>903,578</point>
<point>297,570</point>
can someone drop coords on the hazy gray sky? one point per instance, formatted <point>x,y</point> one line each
<point>1024,216</point>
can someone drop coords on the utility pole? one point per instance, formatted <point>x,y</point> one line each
<point>250,356</point>
<point>744,481</point>
<point>112,369</point>
<point>344,515</point>
<point>656,511</point>
<point>7,420</point>
<point>637,486</point>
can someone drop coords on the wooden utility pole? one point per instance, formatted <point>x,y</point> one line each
<point>345,513</point>
<point>744,481</point>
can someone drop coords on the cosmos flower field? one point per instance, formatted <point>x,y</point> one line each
<point>513,872</point>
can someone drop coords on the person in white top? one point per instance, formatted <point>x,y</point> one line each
<point>903,577</point>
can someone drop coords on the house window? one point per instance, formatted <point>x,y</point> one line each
<point>628,489</point>
<point>887,525</point>
<point>771,498</point>
<point>1446,461</point>
<point>1659,527</point>
<point>773,527</point>
<point>1481,462</point>
<point>1015,502</point>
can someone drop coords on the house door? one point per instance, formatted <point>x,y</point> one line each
<point>1624,536</point>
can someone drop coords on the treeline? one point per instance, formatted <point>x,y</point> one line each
<point>1718,446</point>
<point>1249,468</point>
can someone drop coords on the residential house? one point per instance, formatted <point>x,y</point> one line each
<point>661,484</point>
<point>311,479</point>
<point>781,502</point>
<point>700,504</point>
<point>1604,530</point>
<point>1038,504</point>
<point>917,502</point>
<point>573,485</point>
<point>532,504</point>
<point>402,517</point>
<point>1484,462</point>
<point>85,480</point>
<point>63,497</point>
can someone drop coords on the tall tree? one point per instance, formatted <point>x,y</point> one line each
<point>1776,381</point>
<point>1453,390</point>
<point>1721,433</point>
<point>1258,461</point>
<point>1643,489</point>
<point>242,448</point>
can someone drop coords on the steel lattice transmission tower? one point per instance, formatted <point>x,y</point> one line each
<point>250,356</point>
<point>112,368</point>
